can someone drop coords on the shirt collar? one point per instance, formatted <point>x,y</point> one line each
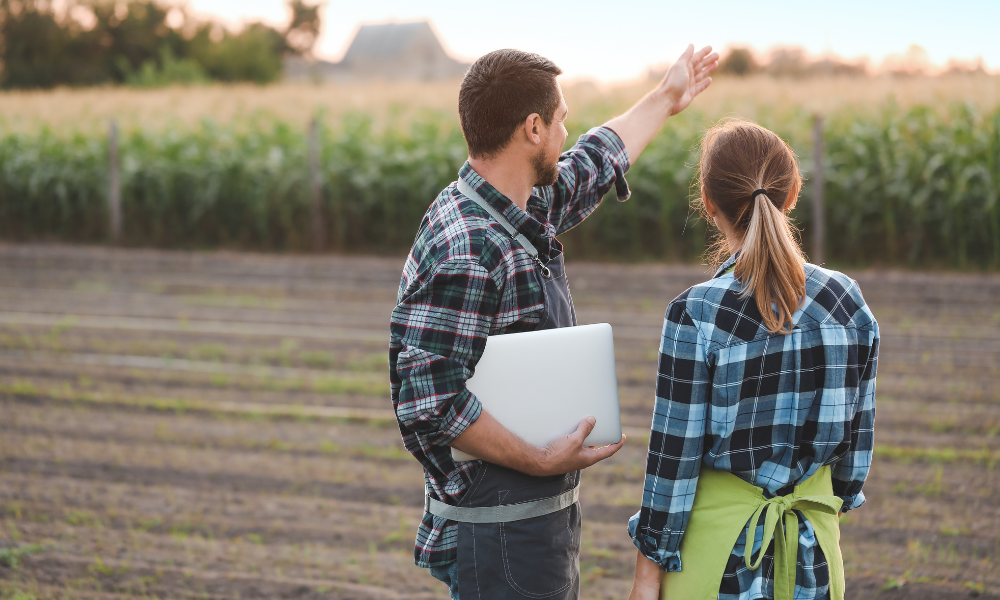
<point>726,265</point>
<point>522,221</point>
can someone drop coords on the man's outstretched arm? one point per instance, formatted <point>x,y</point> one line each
<point>687,78</point>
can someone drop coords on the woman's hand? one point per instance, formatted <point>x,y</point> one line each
<point>646,584</point>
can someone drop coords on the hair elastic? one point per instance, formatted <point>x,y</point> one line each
<point>753,197</point>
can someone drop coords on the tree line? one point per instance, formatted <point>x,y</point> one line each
<point>795,62</point>
<point>144,43</point>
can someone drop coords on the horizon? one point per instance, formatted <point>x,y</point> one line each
<point>841,34</point>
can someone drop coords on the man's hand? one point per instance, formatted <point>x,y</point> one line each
<point>569,454</point>
<point>646,583</point>
<point>688,77</point>
<point>489,440</point>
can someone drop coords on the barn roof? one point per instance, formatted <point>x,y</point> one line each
<point>388,41</point>
<point>391,51</point>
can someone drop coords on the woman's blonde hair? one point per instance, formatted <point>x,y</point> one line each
<point>739,158</point>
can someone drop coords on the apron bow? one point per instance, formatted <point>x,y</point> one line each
<point>780,512</point>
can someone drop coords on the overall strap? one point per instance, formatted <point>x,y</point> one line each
<point>503,513</point>
<point>468,191</point>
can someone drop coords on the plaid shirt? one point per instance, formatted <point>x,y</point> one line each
<point>770,408</point>
<point>463,281</point>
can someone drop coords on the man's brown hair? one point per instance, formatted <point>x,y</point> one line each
<point>499,92</point>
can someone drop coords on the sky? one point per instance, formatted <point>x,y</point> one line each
<point>614,40</point>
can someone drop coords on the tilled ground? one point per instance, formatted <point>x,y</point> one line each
<point>218,426</point>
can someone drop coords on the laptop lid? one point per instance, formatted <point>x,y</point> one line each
<point>541,384</point>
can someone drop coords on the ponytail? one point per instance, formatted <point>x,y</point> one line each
<point>752,177</point>
<point>770,265</point>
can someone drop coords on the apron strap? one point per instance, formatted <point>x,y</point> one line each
<point>503,513</point>
<point>782,525</point>
<point>468,191</point>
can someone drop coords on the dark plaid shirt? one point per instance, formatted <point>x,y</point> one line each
<point>464,280</point>
<point>770,408</point>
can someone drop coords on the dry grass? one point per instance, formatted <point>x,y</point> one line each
<point>294,103</point>
<point>750,95</point>
<point>90,108</point>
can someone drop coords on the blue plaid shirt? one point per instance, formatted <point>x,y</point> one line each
<point>770,408</point>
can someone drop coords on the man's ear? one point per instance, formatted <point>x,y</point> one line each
<point>533,128</point>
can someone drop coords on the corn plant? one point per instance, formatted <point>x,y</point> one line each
<point>916,186</point>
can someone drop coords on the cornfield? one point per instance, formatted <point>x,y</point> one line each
<point>906,185</point>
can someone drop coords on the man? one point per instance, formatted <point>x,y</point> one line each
<point>486,260</point>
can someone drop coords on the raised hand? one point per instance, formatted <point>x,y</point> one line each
<point>689,76</point>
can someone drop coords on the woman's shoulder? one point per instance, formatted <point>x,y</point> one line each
<point>702,302</point>
<point>833,297</point>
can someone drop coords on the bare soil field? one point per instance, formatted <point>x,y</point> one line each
<point>218,425</point>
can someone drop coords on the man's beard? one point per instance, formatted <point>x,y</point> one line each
<point>546,169</point>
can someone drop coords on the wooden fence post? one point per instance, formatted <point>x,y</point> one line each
<point>114,185</point>
<point>316,181</point>
<point>819,243</point>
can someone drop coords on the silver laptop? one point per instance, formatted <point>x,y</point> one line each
<point>541,384</point>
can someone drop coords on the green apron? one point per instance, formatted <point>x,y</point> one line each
<point>724,505</point>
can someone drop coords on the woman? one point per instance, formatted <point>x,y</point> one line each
<point>765,400</point>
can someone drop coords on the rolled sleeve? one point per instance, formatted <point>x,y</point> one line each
<point>651,548</point>
<point>439,332</point>
<point>615,157</point>
<point>587,171</point>
<point>852,502</point>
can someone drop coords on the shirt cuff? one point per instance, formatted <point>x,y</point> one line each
<point>667,561</point>
<point>852,502</point>
<point>607,140</point>
<point>465,410</point>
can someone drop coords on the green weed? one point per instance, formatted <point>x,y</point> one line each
<point>15,508</point>
<point>210,352</point>
<point>147,524</point>
<point>935,487</point>
<point>401,533</point>
<point>181,531</point>
<point>81,518</point>
<point>238,301</point>
<point>940,426</point>
<point>178,405</point>
<point>372,362</point>
<point>98,568</point>
<point>341,385</point>
<point>11,557</point>
<point>317,359</point>
<point>937,455</point>
<point>891,583</point>
<point>91,286</point>
<point>975,586</point>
